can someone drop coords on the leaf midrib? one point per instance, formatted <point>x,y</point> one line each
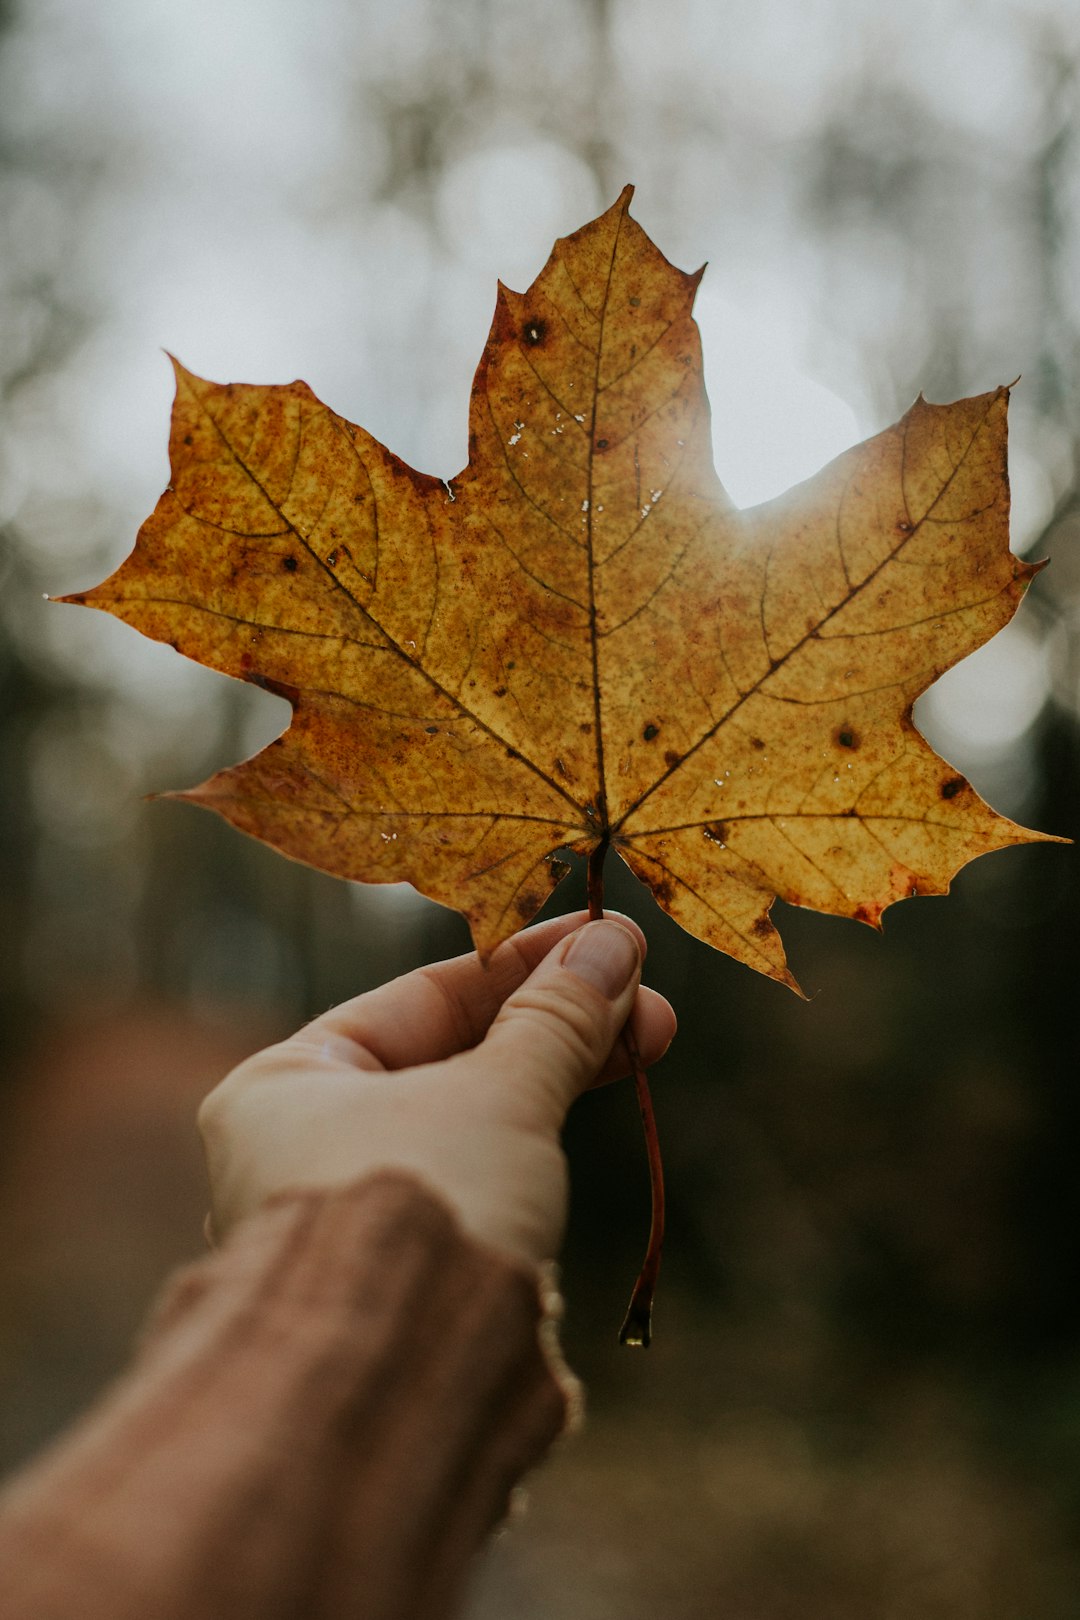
<point>594,636</point>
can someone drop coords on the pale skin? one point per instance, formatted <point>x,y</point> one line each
<point>461,1073</point>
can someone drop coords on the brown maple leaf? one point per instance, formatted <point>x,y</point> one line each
<point>578,642</point>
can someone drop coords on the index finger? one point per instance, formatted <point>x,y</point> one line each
<point>444,1008</point>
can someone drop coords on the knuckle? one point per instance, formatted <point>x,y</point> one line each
<point>218,1109</point>
<point>567,1029</point>
<point>215,1113</point>
<point>208,1118</point>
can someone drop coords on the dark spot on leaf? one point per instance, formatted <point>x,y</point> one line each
<point>331,560</point>
<point>535,332</point>
<point>188,439</point>
<point>500,691</point>
<point>511,663</point>
<point>671,758</point>
<point>635,303</point>
<point>650,732</point>
<point>601,444</point>
<point>847,737</point>
<point>716,832</point>
<point>863,914</point>
<point>289,564</point>
<point>512,753</point>
<point>761,927</point>
<point>663,890</point>
<point>756,742</point>
<point>431,730</point>
<point>528,904</point>
<point>246,660</point>
<point>952,787</point>
<point>586,728</point>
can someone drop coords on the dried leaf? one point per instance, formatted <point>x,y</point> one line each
<point>579,641</point>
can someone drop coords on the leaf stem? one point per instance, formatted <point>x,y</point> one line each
<point>595,880</point>
<point>637,1325</point>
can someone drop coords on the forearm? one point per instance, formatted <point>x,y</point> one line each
<point>325,1420</point>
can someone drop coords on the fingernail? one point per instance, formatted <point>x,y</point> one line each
<point>605,955</point>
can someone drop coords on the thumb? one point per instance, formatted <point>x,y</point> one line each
<point>553,1035</point>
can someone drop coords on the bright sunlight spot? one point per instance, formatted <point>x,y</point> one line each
<point>773,425</point>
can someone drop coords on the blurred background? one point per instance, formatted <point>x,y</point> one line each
<point>864,1395</point>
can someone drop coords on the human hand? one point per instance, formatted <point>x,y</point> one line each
<point>460,1073</point>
